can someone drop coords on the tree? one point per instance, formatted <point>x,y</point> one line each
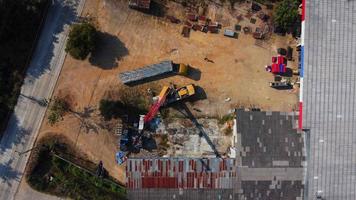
<point>20,22</point>
<point>81,40</point>
<point>286,14</point>
<point>56,110</point>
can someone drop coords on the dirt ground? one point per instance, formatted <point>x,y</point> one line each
<point>129,39</point>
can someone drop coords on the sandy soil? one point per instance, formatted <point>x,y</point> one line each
<point>130,39</point>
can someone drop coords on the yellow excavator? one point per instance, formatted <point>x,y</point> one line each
<point>168,95</point>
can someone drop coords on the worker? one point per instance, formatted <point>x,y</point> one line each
<point>208,60</point>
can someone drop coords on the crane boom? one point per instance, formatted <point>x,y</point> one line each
<point>155,107</point>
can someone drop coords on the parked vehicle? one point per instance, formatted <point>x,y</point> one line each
<point>230,33</point>
<point>280,85</point>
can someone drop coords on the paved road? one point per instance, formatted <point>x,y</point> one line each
<point>39,84</point>
<point>330,98</point>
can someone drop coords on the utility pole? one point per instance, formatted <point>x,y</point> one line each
<point>23,152</point>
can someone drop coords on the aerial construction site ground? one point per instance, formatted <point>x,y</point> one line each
<point>129,39</point>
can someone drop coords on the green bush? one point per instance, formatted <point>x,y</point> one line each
<point>56,110</point>
<point>225,118</point>
<point>286,14</point>
<point>81,40</point>
<point>56,176</point>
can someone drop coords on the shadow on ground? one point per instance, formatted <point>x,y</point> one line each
<point>151,79</point>
<point>199,94</point>
<point>183,108</point>
<point>60,14</point>
<point>289,87</point>
<point>193,74</point>
<point>109,50</point>
<point>156,9</point>
<point>42,102</point>
<point>149,143</point>
<point>19,137</point>
<point>7,174</point>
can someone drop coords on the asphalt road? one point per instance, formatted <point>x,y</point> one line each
<point>39,84</point>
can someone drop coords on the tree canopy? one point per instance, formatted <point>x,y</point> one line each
<point>286,14</point>
<point>81,40</point>
<point>56,110</point>
<point>20,22</point>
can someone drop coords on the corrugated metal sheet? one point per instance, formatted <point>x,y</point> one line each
<point>147,72</point>
<point>186,173</point>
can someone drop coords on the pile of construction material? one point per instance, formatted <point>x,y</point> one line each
<point>200,23</point>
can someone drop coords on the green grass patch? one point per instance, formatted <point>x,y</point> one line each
<point>54,175</point>
<point>226,118</point>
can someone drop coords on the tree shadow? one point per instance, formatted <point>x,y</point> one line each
<point>14,138</point>
<point>14,134</point>
<point>41,102</point>
<point>156,9</point>
<point>108,51</point>
<point>8,174</point>
<point>60,15</point>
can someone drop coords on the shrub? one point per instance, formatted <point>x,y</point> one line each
<point>56,110</point>
<point>81,40</point>
<point>225,118</point>
<point>286,14</point>
<point>54,175</point>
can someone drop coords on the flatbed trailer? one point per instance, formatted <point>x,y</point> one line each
<point>149,71</point>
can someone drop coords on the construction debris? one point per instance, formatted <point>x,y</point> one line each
<point>173,19</point>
